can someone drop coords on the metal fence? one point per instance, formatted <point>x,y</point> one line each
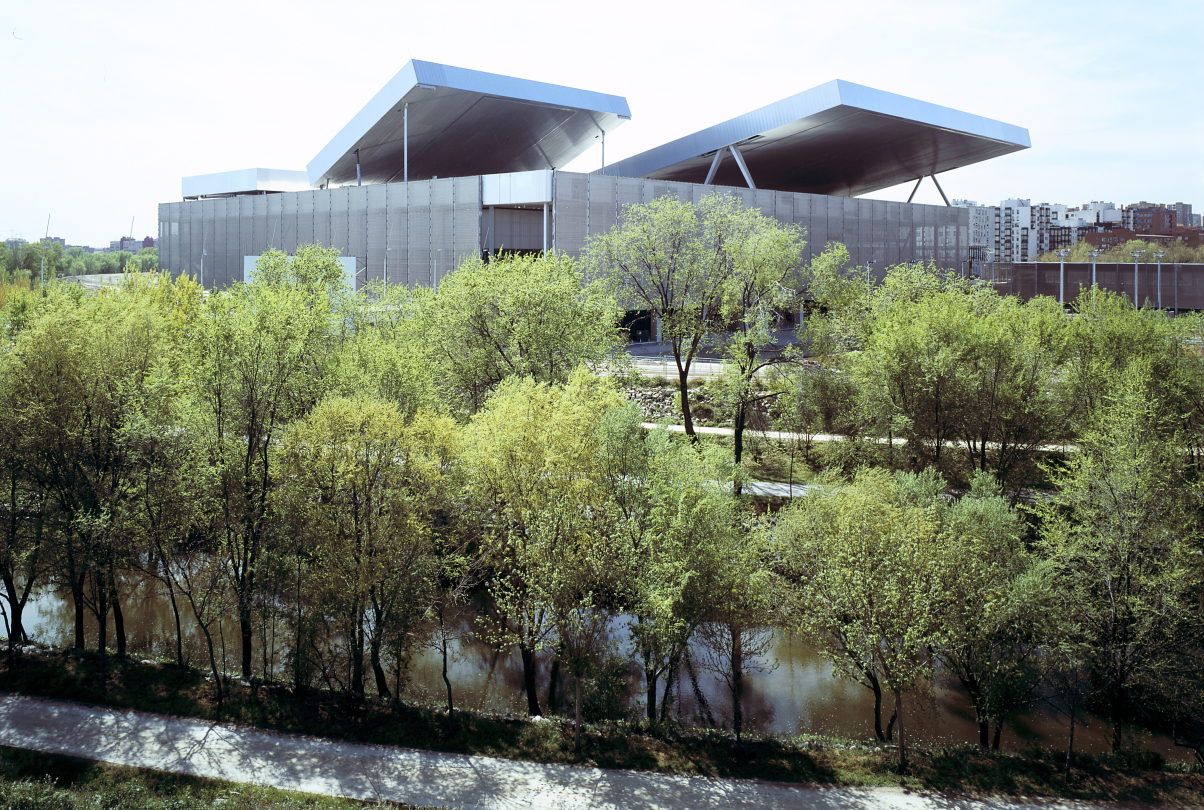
<point>1162,286</point>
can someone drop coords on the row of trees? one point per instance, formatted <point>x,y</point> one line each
<point>349,467</point>
<point>22,262</point>
<point>1174,251</point>
<point>957,377</point>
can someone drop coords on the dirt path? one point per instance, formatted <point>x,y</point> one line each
<point>369,772</point>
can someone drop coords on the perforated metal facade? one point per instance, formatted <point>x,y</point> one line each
<point>415,233</point>
<point>1163,286</point>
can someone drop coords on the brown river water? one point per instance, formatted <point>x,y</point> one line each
<point>792,692</point>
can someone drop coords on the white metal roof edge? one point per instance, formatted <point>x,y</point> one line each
<point>417,72</point>
<point>243,180</point>
<point>828,96</point>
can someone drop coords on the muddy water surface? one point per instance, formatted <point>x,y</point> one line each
<point>790,690</point>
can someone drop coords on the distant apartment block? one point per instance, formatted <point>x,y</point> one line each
<point>1022,230</point>
<point>131,245</point>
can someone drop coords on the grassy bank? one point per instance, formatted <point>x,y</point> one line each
<point>961,769</point>
<point>34,781</point>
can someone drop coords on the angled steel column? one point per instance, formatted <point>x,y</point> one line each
<point>938,188</point>
<point>743,169</point>
<point>915,188</point>
<point>714,166</point>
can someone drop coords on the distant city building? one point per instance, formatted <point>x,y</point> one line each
<point>1022,230</point>
<point>131,245</point>
<point>1183,215</point>
<point>1106,240</point>
<point>981,233</point>
<point>1150,220</point>
<point>1092,213</point>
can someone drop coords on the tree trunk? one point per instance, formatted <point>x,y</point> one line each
<point>683,385</point>
<point>651,694</point>
<point>876,688</point>
<point>118,621</point>
<point>974,690</point>
<point>1118,720</point>
<point>357,657</point>
<point>552,679</point>
<point>16,630</point>
<point>737,679</point>
<point>665,696</point>
<point>382,681</point>
<point>528,657</point>
<point>577,728</point>
<point>447,683</point>
<point>738,438</point>
<point>998,734</point>
<point>77,600</point>
<point>244,625</point>
<point>102,620</point>
<point>1070,744</point>
<point>902,738</point>
<point>175,609</point>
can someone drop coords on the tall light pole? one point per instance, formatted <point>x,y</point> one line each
<point>1137,256</point>
<point>1062,254</point>
<point>44,238</point>
<point>1158,254</point>
<point>1094,256</point>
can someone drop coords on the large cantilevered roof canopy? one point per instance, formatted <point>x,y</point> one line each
<point>839,139</point>
<point>463,123</point>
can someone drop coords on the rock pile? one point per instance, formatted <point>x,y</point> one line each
<point>658,404</point>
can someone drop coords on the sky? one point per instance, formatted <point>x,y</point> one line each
<point>108,105</point>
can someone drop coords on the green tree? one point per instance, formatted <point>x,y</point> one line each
<point>526,316</point>
<point>669,509</point>
<point>864,565</point>
<point>82,369</point>
<point>532,459</point>
<point>995,616</point>
<point>697,269</point>
<point>364,485</point>
<point>1121,538</point>
<point>258,359</point>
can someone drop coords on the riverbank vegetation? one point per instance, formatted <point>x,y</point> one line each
<point>336,474</point>
<point>668,748</point>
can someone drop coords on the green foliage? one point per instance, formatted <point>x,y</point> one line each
<point>711,268</point>
<point>1121,541</point>
<point>1175,251</point>
<point>526,316</point>
<point>866,571</point>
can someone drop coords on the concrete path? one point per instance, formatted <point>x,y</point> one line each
<point>370,772</point>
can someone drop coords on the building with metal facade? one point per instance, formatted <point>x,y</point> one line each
<point>414,233</point>
<point>431,124</point>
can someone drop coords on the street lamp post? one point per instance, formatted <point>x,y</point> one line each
<point>1137,256</point>
<point>1062,254</point>
<point>1094,256</point>
<point>1158,254</point>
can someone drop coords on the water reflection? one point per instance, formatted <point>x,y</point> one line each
<point>798,695</point>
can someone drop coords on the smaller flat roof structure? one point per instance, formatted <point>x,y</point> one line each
<point>463,123</point>
<point>839,139</point>
<point>243,181</point>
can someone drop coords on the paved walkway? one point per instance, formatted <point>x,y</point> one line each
<point>369,772</point>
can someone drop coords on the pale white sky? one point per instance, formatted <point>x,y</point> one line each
<point>107,105</point>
